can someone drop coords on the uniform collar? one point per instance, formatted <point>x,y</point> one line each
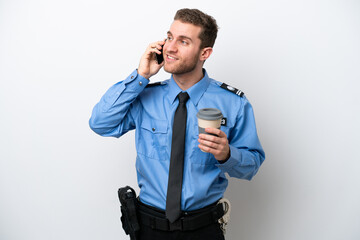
<point>195,92</point>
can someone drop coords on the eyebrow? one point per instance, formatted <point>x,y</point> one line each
<point>181,36</point>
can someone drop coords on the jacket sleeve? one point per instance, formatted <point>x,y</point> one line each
<point>114,114</point>
<point>246,152</point>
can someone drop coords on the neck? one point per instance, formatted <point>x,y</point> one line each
<point>187,80</point>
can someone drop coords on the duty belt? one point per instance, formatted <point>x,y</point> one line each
<point>156,219</point>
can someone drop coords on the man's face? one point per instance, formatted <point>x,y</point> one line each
<point>182,48</point>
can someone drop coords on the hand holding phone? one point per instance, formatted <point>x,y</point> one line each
<point>149,64</point>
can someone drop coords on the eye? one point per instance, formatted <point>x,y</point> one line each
<point>169,38</point>
<point>183,42</point>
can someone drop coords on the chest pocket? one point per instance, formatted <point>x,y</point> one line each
<point>153,139</point>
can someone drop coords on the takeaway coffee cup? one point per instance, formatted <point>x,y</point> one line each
<point>209,117</point>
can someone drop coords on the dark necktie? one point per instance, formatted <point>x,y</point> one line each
<point>173,199</point>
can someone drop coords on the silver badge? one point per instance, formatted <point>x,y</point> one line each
<point>230,88</point>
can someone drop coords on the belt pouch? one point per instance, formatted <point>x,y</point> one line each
<point>129,219</point>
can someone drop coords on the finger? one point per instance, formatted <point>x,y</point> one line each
<point>215,131</point>
<point>204,148</point>
<point>208,149</point>
<point>210,138</point>
<point>154,49</point>
<point>210,144</point>
<point>157,45</point>
<point>161,43</point>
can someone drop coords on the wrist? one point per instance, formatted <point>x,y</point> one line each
<point>144,75</point>
<point>226,158</point>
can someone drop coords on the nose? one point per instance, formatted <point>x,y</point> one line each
<point>170,46</point>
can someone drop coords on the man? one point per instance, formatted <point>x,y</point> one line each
<point>152,109</point>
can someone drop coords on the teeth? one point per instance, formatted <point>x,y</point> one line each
<point>171,57</point>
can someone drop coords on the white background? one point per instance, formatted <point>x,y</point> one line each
<point>297,61</point>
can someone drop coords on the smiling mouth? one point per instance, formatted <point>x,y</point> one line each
<point>171,58</point>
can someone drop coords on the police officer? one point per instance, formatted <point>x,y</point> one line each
<point>150,109</point>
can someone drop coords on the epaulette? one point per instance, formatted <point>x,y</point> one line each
<point>153,84</point>
<point>232,89</point>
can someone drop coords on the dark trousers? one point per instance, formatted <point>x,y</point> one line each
<point>210,232</point>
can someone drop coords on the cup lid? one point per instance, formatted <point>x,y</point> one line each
<point>209,114</point>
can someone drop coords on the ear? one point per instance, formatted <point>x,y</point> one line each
<point>205,53</point>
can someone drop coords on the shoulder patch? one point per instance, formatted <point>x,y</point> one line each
<point>232,89</point>
<point>153,84</point>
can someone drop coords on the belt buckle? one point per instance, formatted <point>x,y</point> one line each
<point>177,225</point>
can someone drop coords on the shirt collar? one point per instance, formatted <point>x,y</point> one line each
<point>195,92</point>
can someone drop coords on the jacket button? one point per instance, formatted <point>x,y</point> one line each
<point>140,83</point>
<point>132,77</point>
<point>153,129</point>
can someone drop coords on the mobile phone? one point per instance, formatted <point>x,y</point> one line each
<point>160,57</point>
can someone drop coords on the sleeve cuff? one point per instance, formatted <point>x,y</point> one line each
<point>233,160</point>
<point>135,82</point>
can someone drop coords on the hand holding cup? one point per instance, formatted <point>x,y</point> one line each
<point>211,138</point>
